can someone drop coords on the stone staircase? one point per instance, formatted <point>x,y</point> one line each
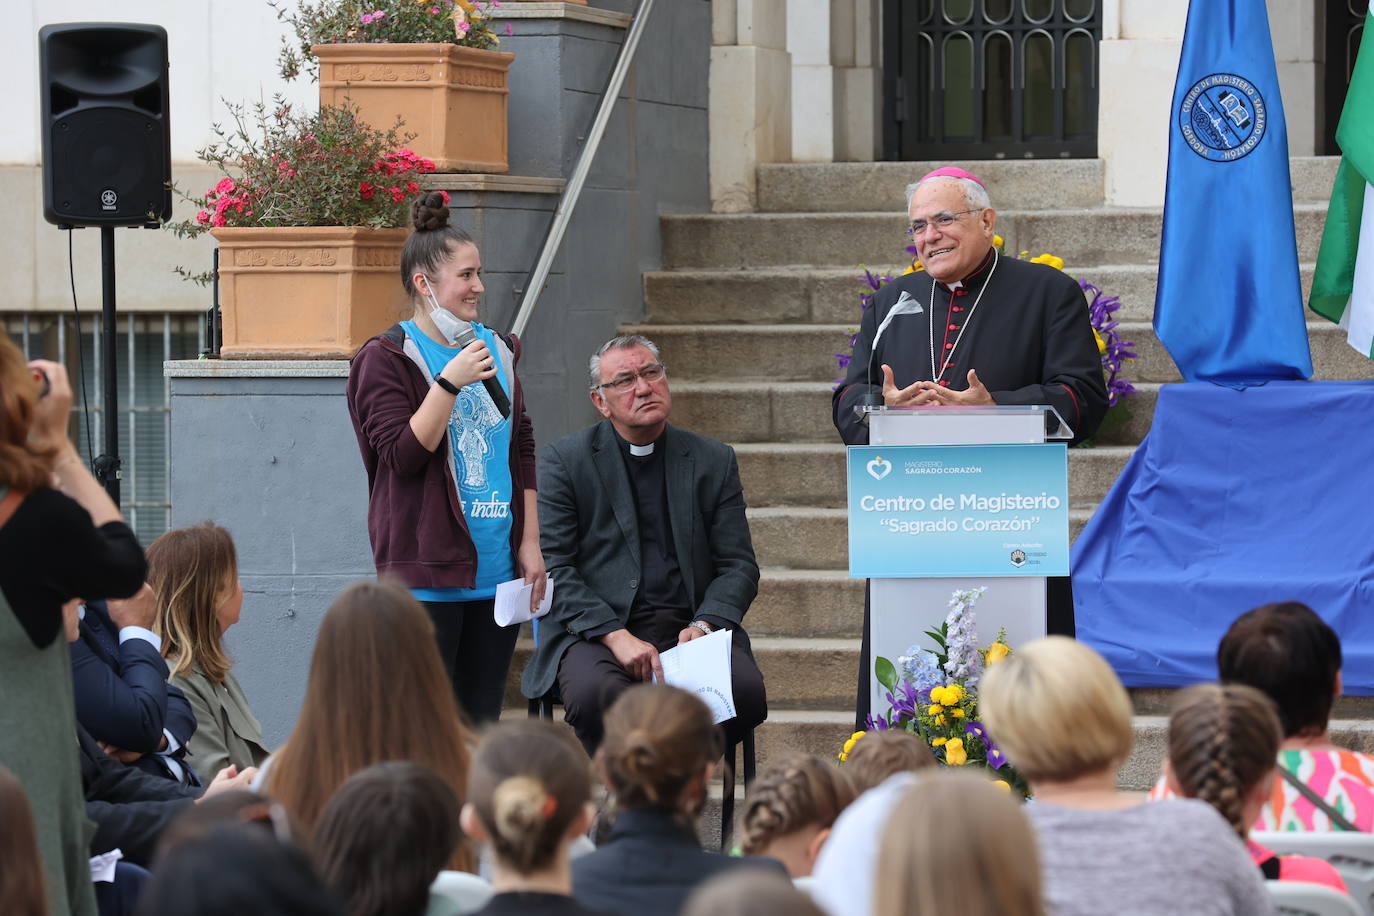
<point>749,312</point>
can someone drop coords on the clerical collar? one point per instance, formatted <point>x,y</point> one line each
<point>973,274</point>
<point>641,451</point>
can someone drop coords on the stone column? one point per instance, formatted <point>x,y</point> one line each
<point>813,79</point>
<point>1298,53</point>
<point>856,55</point>
<point>750,98</point>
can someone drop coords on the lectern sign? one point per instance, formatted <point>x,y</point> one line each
<point>918,511</point>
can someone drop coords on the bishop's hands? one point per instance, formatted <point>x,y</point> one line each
<point>926,394</point>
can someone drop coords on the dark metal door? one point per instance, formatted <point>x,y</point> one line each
<point>1344,26</point>
<point>990,79</point>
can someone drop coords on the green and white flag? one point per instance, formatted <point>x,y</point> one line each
<point>1343,288</point>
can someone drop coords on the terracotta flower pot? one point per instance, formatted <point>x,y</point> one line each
<point>453,99</point>
<point>309,292</point>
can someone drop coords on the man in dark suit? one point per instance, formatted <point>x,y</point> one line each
<point>643,529</point>
<point>121,690</point>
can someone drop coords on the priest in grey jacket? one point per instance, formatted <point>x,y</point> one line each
<point>643,529</point>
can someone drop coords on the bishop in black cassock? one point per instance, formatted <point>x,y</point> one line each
<point>972,328</point>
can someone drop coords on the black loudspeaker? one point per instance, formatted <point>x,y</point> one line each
<point>107,149</point>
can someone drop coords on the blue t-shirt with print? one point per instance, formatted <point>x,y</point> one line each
<point>479,441</point>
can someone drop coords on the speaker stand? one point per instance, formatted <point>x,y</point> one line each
<point>107,464</point>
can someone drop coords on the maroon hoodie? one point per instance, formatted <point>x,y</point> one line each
<point>414,517</point>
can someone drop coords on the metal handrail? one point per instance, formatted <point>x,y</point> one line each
<point>562,215</point>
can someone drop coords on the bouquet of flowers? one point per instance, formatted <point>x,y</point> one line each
<point>1115,351</point>
<point>934,694</point>
<point>329,22</point>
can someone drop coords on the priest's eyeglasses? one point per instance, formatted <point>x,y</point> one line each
<point>623,382</point>
<point>942,220</point>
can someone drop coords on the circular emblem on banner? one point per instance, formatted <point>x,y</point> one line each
<point>1222,117</point>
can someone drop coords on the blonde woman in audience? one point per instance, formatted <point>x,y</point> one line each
<point>1222,744</point>
<point>791,809</point>
<point>194,574</point>
<point>1064,721</point>
<point>529,801</point>
<point>1292,656</point>
<point>750,892</point>
<point>955,843</point>
<point>383,839</point>
<point>656,758</point>
<point>377,691</point>
<point>877,756</point>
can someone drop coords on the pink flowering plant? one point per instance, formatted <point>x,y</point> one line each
<point>329,22</point>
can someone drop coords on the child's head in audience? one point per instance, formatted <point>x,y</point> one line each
<point>376,691</point>
<point>790,810</point>
<point>1026,699</point>
<point>659,749</point>
<point>881,754</point>
<point>750,892</point>
<point>956,843</point>
<point>1223,741</point>
<point>194,573</point>
<point>232,870</point>
<point>384,837</point>
<point>1290,654</point>
<point>529,793</point>
<point>21,869</point>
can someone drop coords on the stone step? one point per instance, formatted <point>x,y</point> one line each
<point>1019,184</point>
<point>811,602</point>
<point>1036,184</point>
<point>1080,236</point>
<point>830,295</point>
<point>808,538</point>
<point>807,672</point>
<point>795,474</point>
<point>1332,356</point>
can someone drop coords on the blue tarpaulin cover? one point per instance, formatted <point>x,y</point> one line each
<point>1236,498</point>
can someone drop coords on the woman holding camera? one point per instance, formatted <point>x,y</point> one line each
<point>449,451</point>
<point>61,538</point>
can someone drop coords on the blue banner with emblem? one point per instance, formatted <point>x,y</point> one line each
<point>1228,305</point>
<point>920,511</point>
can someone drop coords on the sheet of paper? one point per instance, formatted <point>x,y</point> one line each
<point>702,666</point>
<point>103,865</point>
<point>513,602</point>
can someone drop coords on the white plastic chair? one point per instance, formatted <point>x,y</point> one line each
<point>1352,854</point>
<point>470,892</point>
<point>1294,898</point>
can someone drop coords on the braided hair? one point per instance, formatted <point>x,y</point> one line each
<point>801,791</point>
<point>1223,739</point>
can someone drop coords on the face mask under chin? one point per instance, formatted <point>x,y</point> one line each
<point>445,321</point>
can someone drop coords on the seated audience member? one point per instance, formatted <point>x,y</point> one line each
<point>21,870</point>
<point>122,695</point>
<point>1222,743</point>
<point>750,892</point>
<point>232,806</point>
<point>1064,721</point>
<point>955,843</point>
<point>61,538</point>
<point>377,691</point>
<point>879,755</point>
<point>233,870</point>
<point>791,809</point>
<point>1292,656</point>
<point>194,572</point>
<point>659,750</point>
<point>384,837</point>
<point>529,801</point>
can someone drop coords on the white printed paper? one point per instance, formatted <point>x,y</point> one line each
<point>513,601</point>
<point>103,866</point>
<point>702,666</point>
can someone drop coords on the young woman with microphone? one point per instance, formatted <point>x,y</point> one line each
<point>449,451</point>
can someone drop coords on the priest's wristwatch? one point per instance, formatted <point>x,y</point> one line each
<point>703,626</point>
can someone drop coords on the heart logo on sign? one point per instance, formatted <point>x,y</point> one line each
<point>879,468</point>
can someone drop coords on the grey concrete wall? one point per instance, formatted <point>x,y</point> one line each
<point>267,450</point>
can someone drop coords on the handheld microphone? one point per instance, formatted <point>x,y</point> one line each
<point>493,385</point>
<point>905,305</point>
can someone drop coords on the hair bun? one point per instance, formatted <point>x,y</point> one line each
<point>430,211</point>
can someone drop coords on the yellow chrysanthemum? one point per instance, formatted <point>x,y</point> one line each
<point>938,742</point>
<point>953,694</point>
<point>997,241</point>
<point>914,268</point>
<point>1047,258</point>
<point>935,709</point>
<point>955,755</point>
<point>1002,784</point>
<point>957,713</point>
<point>1000,650</point>
<point>941,720</point>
